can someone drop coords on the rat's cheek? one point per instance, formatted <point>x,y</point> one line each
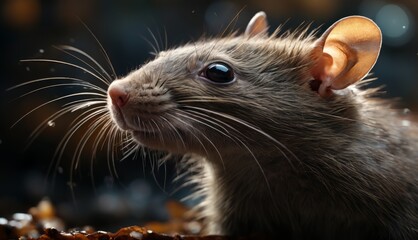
<point>194,65</point>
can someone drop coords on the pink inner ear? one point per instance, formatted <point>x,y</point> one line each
<point>346,52</point>
<point>320,72</point>
<point>343,60</point>
<point>258,25</point>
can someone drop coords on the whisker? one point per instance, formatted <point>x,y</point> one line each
<point>78,123</point>
<point>187,115</point>
<point>111,153</point>
<point>232,137</point>
<point>175,130</point>
<point>103,51</point>
<point>253,156</point>
<point>53,86</point>
<point>101,137</point>
<point>62,146</point>
<point>155,40</point>
<point>246,124</point>
<point>223,34</point>
<point>153,162</point>
<point>278,147</point>
<point>89,132</point>
<point>236,134</point>
<point>204,136</point>
<point>81,119</point>
<point>210,119</point>
<point>68,64</point>
<point>155,51</point>
<point>127,145</point>
<point>51,101</point>
<point>55,116</point>
<point>208,99</point>
<point>129,152</point>
<point>81,146</point>
<point>233,20</point>
<point>194,135</point>
<point>159,131</point>
<point>67,48</point>
<point>165,39</point>
<point>160,39</point>
<point>56,78</point>
<point>89,103</point>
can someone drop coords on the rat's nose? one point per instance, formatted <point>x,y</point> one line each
<point>118,95</point>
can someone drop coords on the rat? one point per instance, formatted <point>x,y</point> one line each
<point>282,136</point>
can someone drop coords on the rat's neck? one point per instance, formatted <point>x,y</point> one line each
<point>245,185</point>
<point>252,167</point>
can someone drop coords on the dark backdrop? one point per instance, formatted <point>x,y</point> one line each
<point>29,29</point>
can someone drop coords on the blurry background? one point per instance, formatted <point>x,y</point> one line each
<point>28,29</point>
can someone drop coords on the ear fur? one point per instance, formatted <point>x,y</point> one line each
<point>347,52</point>
<point>258,25</point>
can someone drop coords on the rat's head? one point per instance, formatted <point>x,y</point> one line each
<point>216,95</point>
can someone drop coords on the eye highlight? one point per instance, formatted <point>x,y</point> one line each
<point>218,73</point>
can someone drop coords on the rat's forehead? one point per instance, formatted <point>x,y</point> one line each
<point>215,48</point>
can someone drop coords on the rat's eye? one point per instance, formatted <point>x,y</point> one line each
<point>218,73</point>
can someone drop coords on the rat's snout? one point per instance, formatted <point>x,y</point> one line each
<point>118,94</point>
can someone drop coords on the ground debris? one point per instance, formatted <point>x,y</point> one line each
<point>41,223</point>
<point>127,233</point>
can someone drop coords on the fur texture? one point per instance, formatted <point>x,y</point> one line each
<point>271,156</point>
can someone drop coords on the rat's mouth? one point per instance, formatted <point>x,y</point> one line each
<point>118,117</point>
<point>148,129</point>
<point>126,122</point>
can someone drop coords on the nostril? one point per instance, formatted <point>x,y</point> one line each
<point>118,95</point>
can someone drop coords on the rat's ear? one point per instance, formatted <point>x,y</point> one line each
<point>347,51</point>
<point>258,25</point>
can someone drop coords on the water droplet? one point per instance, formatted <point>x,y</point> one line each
<point>3,221</point>
<point>72,40</point>
<point>16,224</point>
<point>193,11</point>
<point>28,69</point>
<point>52,70</point>
<point>51,123</point>
<point>41,50</point>
<point>22,217</point>
<point>60,170</point>
<point>406,123</point>
<point>136,235</point>
<point>194,227</point>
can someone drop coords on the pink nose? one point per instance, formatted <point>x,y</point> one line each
<point>118,95</point>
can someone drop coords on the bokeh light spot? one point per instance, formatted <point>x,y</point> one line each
<point>395,23</point>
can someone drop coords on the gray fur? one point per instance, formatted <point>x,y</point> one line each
<point>272,157</point>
